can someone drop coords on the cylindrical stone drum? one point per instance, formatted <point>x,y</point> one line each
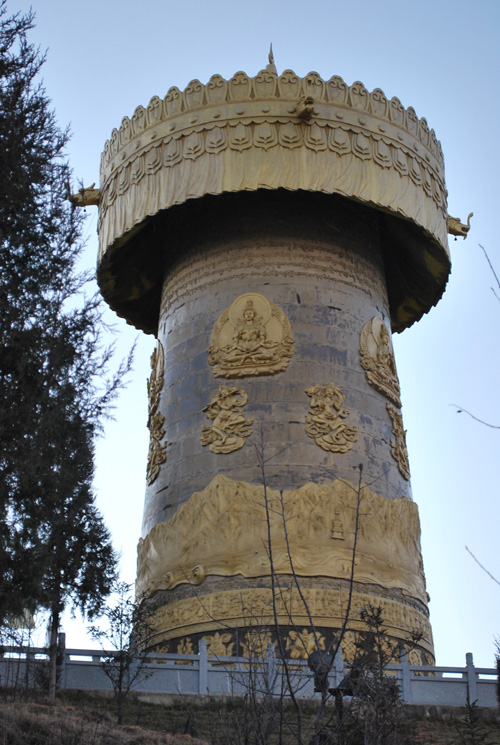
<point>273,232</point>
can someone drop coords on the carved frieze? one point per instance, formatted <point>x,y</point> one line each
<point>377,359</point>
<point>254,607</point>
<point>229,427</point>
<point>349,649</point>
<point>252,337</point>
<point>415,657</point>
<point>301,644</point>
<point>205,271</point>
<point>157,450</point>
<point>338,527</point>
<point>256,642</point>
<point>254,645</point>
<point>320,522</point>
<point>325,421</point>
<point>185,646</point>
<point>398,445</point>
<point>220,645</point>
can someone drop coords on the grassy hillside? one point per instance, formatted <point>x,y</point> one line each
<point>90,719</point>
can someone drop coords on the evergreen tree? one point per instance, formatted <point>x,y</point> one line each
<point>471,729</point>
<point>54,388</point>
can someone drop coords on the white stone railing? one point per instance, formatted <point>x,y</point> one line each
<point>202,674</point>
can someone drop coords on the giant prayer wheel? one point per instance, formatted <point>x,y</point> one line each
<point>273,233</point>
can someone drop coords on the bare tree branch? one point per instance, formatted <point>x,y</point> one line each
<point>483,568</point>
<point>262,463</point>
<point>461,410</point>
<point>492,270</point>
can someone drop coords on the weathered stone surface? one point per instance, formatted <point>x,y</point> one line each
<point>208,280</point>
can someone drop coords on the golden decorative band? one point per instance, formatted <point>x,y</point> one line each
<point>254,607</point>
<point>247,134</point>
<point>372,108</point>
<point>222,531</point>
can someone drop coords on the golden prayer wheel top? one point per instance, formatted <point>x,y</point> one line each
<point>271,132</point>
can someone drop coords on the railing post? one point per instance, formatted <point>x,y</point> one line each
<point>61,649</point>
<point>270,669</point>
<point>29,669</point>
<point>471,677</point>
<point>133,670</point>
<point>338,667</point>
<point>405,677</point>
<point>203,671</point>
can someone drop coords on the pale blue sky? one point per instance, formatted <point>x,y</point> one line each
<point>442,58</point>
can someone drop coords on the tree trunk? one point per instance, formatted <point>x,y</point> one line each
<point>120,699</point>
<point>498,676</point>
<point>54,628</point>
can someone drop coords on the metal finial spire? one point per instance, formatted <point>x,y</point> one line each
<point>271,67</point>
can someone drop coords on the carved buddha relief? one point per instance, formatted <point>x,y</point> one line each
<point>229,427</point>
<point>324,423</point>
<point>156,420</point>
<point>377,359</point>
<point>252,337</point>
<point>398,446</point>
